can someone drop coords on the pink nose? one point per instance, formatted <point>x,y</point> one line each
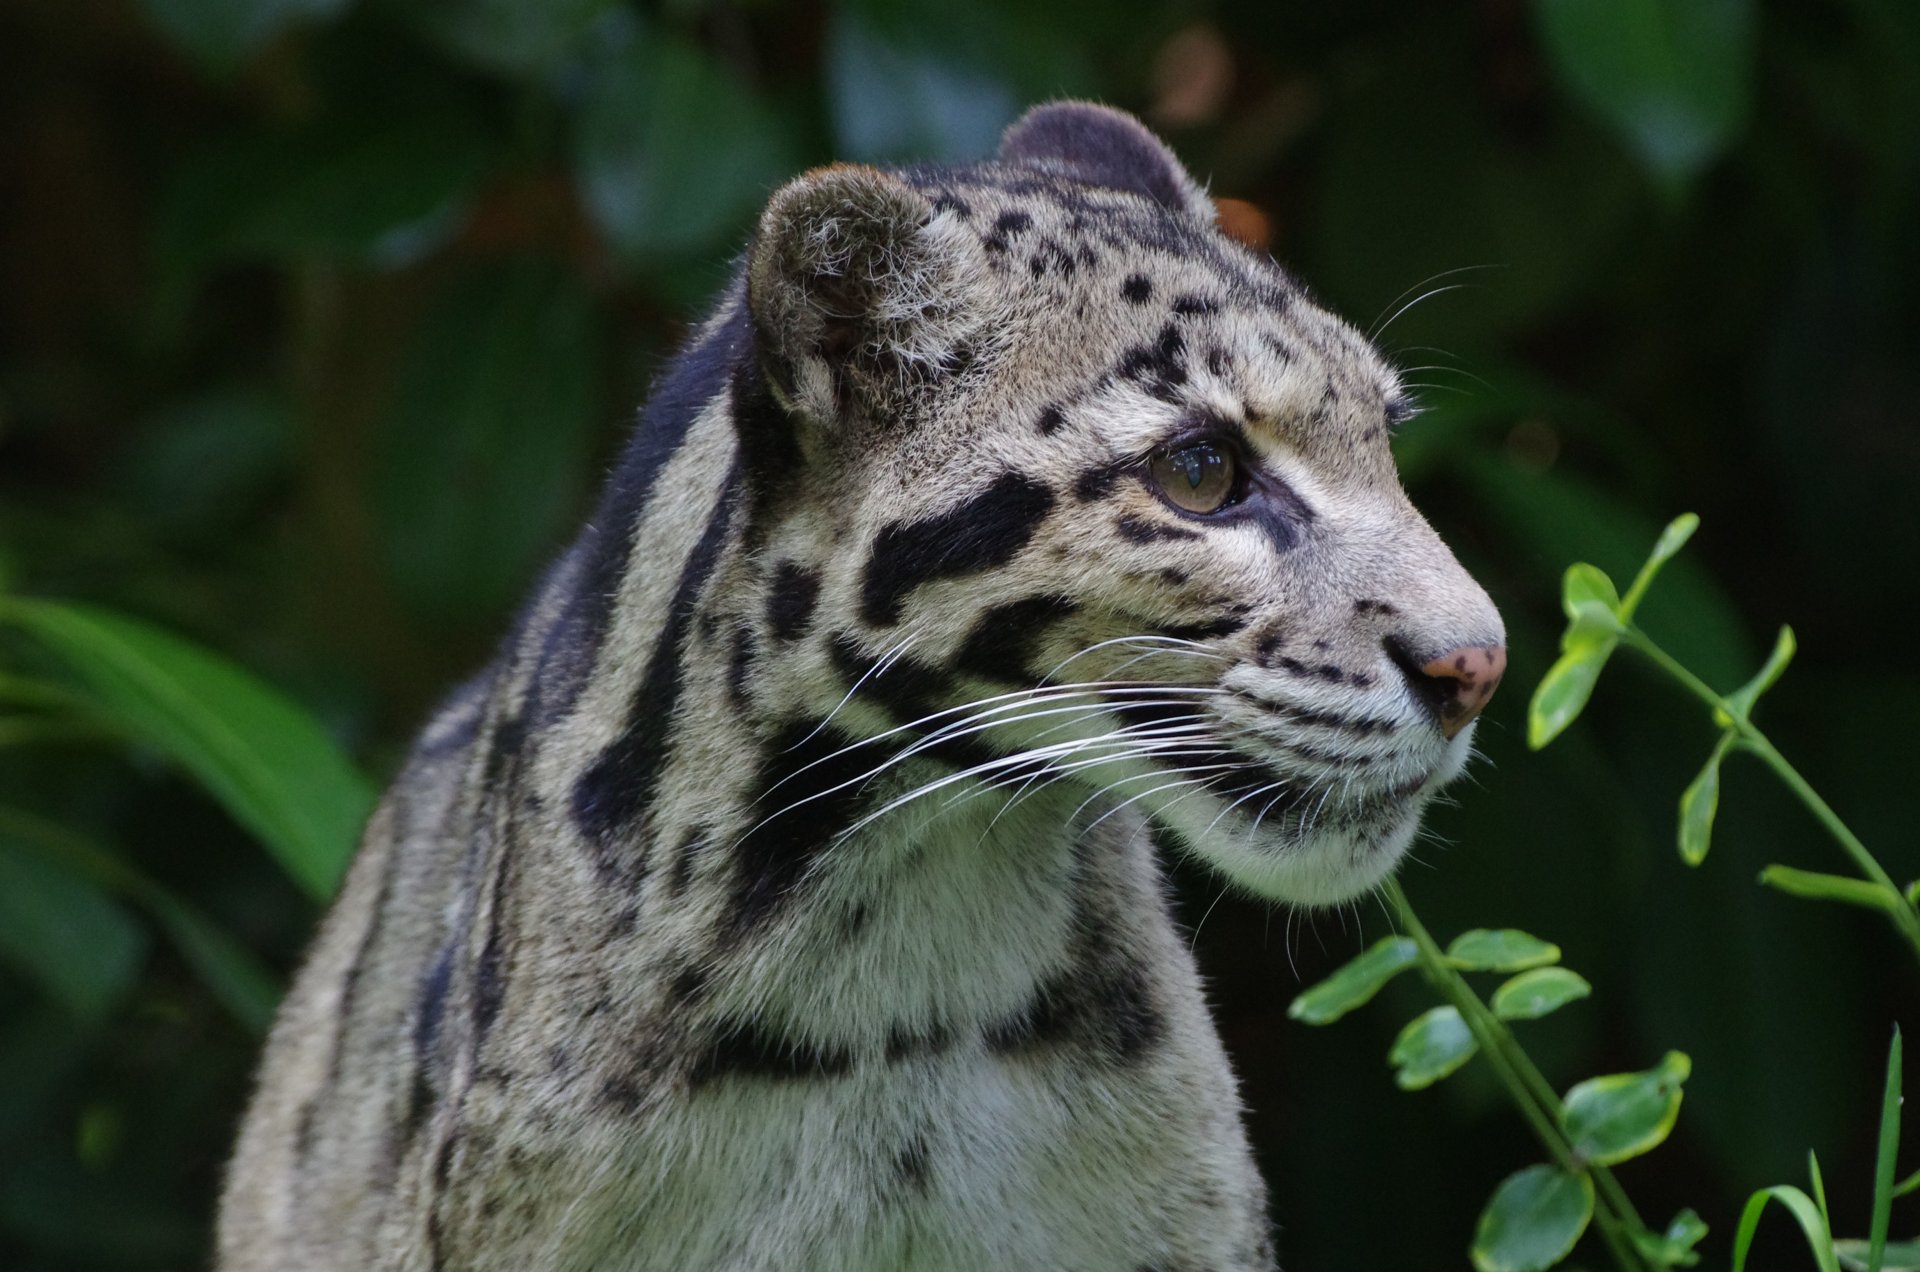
<point>1459,682</point>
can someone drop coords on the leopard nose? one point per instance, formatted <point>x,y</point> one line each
<point>1457,684</point>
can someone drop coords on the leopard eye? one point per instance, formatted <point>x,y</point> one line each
<point>1198,477</point>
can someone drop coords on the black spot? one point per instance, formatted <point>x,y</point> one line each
<point>743,1049</point>
<point>985,531</point>
<point>1095,483</point>
<point>1140,530</point>
<point>1192,306</point>
<point>1160,366</point>
<point>1002,643</point>
<point>1218,362</point>
<point>1138,289</point>
<point>910,1165</point>
<point>621,1094</point>
<point>1374,607</point>
<point>1050,421</point>
<point>619,784</point>
<point>1177,577</point>
<point>948,201</point>
<point>1203,631</point>
<point>1014,222</point>
<point>790,602</point>
<point>689,984</point>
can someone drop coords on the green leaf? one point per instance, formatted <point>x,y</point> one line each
<point>1591,604</point>
<point>1907,1185</point>
<point>1534,994</point>
<point>1564,690</point>
<point>1741,700</point>
<point>382,185</point>
<point>1665,548</point>
<point>508,36</point>
<point>266,761</point>
<point>1700,801</point>
<point>1533,1220</point>
<point>498,396</point>
<point>899,95</point>
<point>659,119</point>
<point>1433,1044</point>
<point>1500,950</point>
<point>221,34</point>
<point>1897,1256</point>
<point>1356,982</point>
<point>1622,1115</point>
<point>1815,886</point>
<point>59,930</point>
<point>1674,1247</point>
<point>1672,77</point>
<point>1884,1162</point>
<point>1801,1207</point>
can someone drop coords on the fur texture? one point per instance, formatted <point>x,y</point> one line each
<point>783,896</point>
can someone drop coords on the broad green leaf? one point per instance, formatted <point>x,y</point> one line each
<point>1433,1044</point>
<point>1533,1220</point>
<point>1623,1115</point>
<point>1884,1162</point>
<point>1533,994</point>
<point>379,185</point>
<point>221,34</point>
<point>1674,1248</point>
<point>1699,802</point>
<point>1741,700</point>
<point>479,462</point>
<point>1805,1213</point>
<point>1591,604</point>
<point>1672,77</point>
<point>1815,886</point>
<point>62,932</point>
<point>511,36</point>
<point>261,756</point>
<point>1564,690</point>
<point>1356,982</point>
<point>1500,950</point>
<point>1897,1256</point>
<point>658,120</point>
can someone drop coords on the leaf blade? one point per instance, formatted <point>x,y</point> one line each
<point>1532,1220</point>
<point>1538,992</point>
<point>1355,982</point>
<point>1500,950</point>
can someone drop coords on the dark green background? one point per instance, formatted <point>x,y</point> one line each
<point>320,318</point>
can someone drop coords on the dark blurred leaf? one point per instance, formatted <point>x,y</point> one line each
<point>1432,1045</point>
<point>1671,76</point>
<point>672,153</point>
<point>253,749</point>
<point>481,456</point>
<point>1674,1248</point>
<point>897,99</point>
<point>64,933</point>
<point>220,34</point>
<point>517,37</point>
<point>200,464</point>
<point>1533,1219</point>
<point>1622,1115</point>
<point>380,186</point>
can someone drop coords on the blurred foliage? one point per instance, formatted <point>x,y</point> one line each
<point>318,319</point>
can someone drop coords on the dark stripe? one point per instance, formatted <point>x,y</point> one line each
<point>909,689</point>
<point>611,794</point>
<point>1140,530</point>
<point>769,445</point>
<point>1003,641</point>
<point>985,531</point>
<point>682,391</point>
<point>1212,630</point>
<point>790,599</point>
<point>1159,367</point>
<point>744,1049</point>
<point>1138,289</point>
<point>795,814</point>
<point>1095,483</point>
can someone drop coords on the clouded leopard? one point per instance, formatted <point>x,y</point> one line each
<point>783,895</point>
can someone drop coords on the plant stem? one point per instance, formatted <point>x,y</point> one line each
<point>1613,1213</point>
<point>1752,739</point>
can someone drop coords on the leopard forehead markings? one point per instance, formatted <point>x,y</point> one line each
<point>783,894</point>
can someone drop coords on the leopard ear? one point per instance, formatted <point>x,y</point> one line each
<point>855,286</point>
<point>1104,147</point>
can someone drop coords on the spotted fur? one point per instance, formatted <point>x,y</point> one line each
<point>782,896</point>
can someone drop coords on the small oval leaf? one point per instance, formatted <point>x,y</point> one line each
<point>1740,701</point>
<point>1356,982</point>
<point>1500,950</point>
<point>1534,994</point>
<point>1433,1044</point>
<point>1699,802</point>
<point>1671,540</point>
<point>267,762</point>
<point>1812,885</point>
<point>1564,690</point>
<point>1622,1115</point>
<point>1674,1247</point>
<point>1532,1221</point>
<point>1586,585</point>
